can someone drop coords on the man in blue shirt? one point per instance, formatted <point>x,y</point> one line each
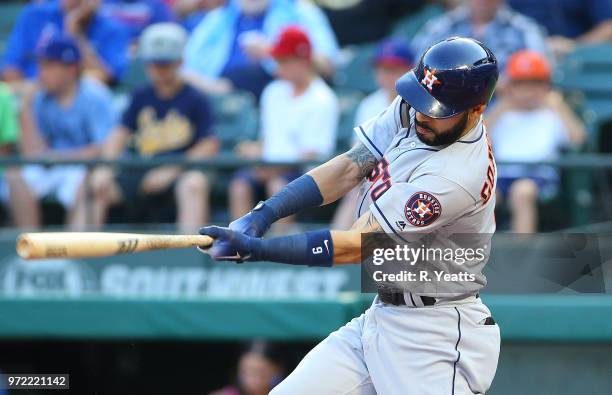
<point>67,119</point>
<point>570,22</point>
<point>167,117</point>
<point>103,44</point>
<point>492,22</point>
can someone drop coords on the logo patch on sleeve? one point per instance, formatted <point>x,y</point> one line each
<point>422,209</point>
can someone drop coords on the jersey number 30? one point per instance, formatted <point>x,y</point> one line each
<point>380,172</point>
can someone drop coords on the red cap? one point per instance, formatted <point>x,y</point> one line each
<point>528,65</point>
<point>292,42</point>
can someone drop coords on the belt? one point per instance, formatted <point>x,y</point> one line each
<point>396,298</point>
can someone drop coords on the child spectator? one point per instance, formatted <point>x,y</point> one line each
<point>102,43</point>
<point>166,117</point>
<point>229,48</point>
<point>299,118</point>
<point>68,119</point>
<point>501,29</point>
<point>392,60</point>
<point>530,123</point>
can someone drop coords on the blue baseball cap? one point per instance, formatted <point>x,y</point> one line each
<point>393,52</point>
<point>60,48</point>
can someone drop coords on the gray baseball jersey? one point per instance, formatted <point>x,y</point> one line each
<point>414,349</point>
<point>440,191</point>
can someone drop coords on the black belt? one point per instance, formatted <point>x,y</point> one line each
<point>397,298</point>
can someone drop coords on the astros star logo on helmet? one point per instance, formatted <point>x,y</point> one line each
<point>430,79</point>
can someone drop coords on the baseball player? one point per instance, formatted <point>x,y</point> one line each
<point>426,167</point>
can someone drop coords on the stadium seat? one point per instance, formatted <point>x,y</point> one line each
<point>408,27</point>
<point>355,68</point>
<point>235,117</point>
<point>348,100</point>
<point>585,77</point>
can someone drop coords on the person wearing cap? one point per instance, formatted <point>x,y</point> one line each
<point>103,43</point>
<point>492,22</point>
<point>166,117</point>
<point>229,48</point>
<point>299,119</point>
<point>529,111</point>
<point>68,118</point>
<point>393,59</point>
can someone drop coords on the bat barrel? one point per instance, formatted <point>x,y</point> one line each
<point>96,244</point>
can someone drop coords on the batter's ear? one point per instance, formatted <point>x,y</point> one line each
<point>478,110</point>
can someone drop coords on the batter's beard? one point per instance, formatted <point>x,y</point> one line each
<point>445,137</point>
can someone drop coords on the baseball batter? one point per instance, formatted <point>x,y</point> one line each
<point>426,166</point>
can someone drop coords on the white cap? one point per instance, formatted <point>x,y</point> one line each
<point>162,42</point>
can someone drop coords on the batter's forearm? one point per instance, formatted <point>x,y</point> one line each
<point>347,246</point>
<point>336,177</point>
<point>321,185</point>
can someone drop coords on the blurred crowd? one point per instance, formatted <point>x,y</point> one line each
<point>66,63</point>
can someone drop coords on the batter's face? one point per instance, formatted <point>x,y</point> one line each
<point>432,131</point>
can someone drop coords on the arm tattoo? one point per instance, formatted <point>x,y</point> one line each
<point>363,158</point>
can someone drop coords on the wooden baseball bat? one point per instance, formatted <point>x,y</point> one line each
<point>94,244</point>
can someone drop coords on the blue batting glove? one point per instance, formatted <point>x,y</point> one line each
<point>255,223</point>
<point>241,247</point>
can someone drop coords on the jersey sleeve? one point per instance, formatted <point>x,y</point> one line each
<point>377,133</point>
<point>421,206</point>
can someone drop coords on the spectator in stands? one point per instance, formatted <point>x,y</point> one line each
<point>102,42</point>
<point>192,12</point>
<point>570,22</point>
<point>69,118</point>
<point>260,368</point>
<point>229,48</point>
<point>135,15</point>
<point>9,133</point>
<point>393,59</point>
<point>530,123</point>
<point>299,118</point>
<point>167,117</point>
<point>491,21</point>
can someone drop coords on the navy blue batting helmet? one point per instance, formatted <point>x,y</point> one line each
<point>452,76</point>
